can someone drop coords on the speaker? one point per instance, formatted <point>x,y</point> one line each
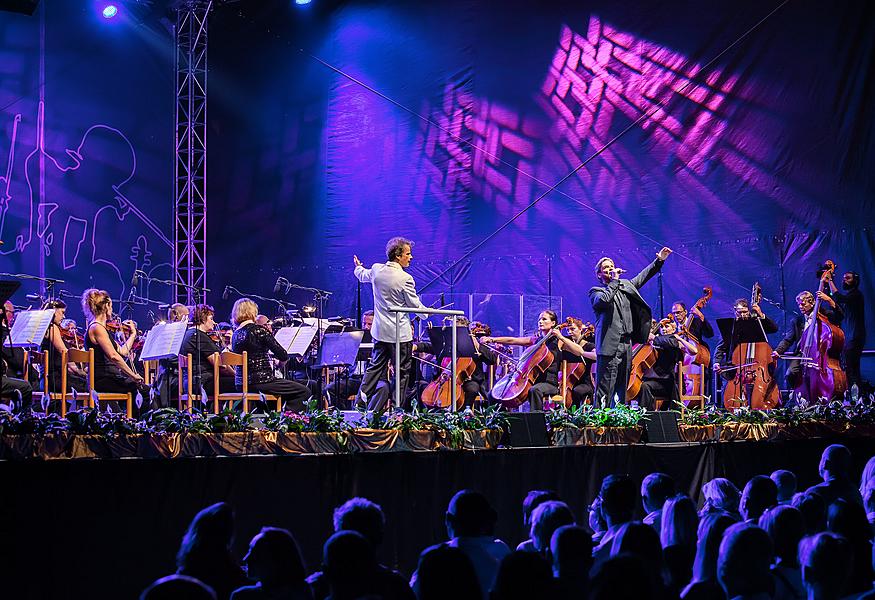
<point>527,429</point>
<point>662,427</point>
<point>25,7</point>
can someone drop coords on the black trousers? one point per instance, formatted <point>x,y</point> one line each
<point>612,376</point>
<point>11,388</point>
<point>294,395</point>
<point>471,389</point>
<point>538,392</point>
<point>378,368</point>
<point>851,364</point>
<point>580,393</point>
<point>653,388</point>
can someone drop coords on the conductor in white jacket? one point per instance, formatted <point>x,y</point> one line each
<point>393,286</point>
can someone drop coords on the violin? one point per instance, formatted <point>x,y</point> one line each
<point>643,358</point>
<point>72,338</point>
<point>753,384</point>
<point>821,346</point>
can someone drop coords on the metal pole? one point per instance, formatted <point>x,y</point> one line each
<point>397,360</point>
<point>453,394</point>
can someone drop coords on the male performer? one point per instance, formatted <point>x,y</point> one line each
<point>622,319</point>
<point>392,287</point>
<point>726,347</point>
<point>854,326</point>
<point>700,328</point>
<point>661,379</point>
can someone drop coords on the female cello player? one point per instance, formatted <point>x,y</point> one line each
<point>583,336</point>
<point>546,382</point>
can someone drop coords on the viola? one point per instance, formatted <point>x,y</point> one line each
<point>753,384</point>
<point>72,338</point>
<point>821,347</point>
<point>643,358</point>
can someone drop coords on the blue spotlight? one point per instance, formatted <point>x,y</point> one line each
<point>302,2</point>
<point>109,11</point>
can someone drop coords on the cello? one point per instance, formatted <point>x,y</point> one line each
<point>512,390</point>
<point>754,384</point>
<point>695,365</point>
<point>573,372</point>
<point>643,358</point>
<point>439,393</point>
<point>821,346</point>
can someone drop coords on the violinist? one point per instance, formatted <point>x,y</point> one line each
<point>167,378</point>
<point>111,372</point>
<point>622,319</point>
<point>583,338</point>
<point>11,387</point>
<point>853,305</point>
<point>547,383</point>
<point>13,357</point>
<point>257,342</point>
<point>54,344</point>
<point>743,311</point>
<point>805,300</point>
<point>661,379</point>
<point>204,352</point>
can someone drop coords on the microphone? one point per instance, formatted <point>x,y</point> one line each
<point>281,286</point>
<point>226,292</point>
<point>33,298</point>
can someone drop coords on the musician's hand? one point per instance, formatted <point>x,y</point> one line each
<point>355,259</point>
<point>138,378</point>
<point>716,367</point>
<point>663,254</point>
<point>486,340</point>
<point>698,313</point>
<point>825,297</point>
<point>756,308</point>
<point>651,337</point>
<point>775,355</point>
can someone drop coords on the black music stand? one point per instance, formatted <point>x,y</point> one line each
<point>442,342</point>
<point>339,350</point>
<point>7,289</point>
<point>739,331</point>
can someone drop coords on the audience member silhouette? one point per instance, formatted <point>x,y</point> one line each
<point>656,488</point>
<point>274,562</point>
<point>571,549</point>
<point>744,561</point>
<point>720,495</point>
<point>678,539</point>
<point>178,587</point>
<point>760,494</point>
<point>523,576</point>
<point>619,494</point>
<point>826,560</point>
<point>710,533</point>
<point>596,520</point>
<point>445,572</point>
<point>868,475</point>
<point>546,519</point>
<point>786,482</point>
<point>532,500</point>
<point>640,540</point>
<point>205,551</point>
<point>351,568</point>
<point>813,509</point>
<point>623,577</point>
<point>848,520</point>
<point>786,527</point>
<point>835,470</point>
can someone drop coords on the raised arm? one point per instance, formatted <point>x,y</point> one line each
<point>361,273</point>
<point>652,269</point>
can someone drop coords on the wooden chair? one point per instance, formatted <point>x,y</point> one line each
<point>694,374</point>
<point>188,398</point>
<point>233,359</point>
<point>42,359</point>
<point>87,356</point>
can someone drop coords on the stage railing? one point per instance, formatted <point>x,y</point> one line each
<point>399,310</point>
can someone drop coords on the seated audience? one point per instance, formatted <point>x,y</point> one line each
<point>532,500</point>
<point>744,562</point>
<point>274,562</point>
<point>175,587</point>
<point>523,576</point>
<point>835,470</point>
<point>656,488</point>
<point>786,482</point>
<point>445,572</point>
<point>619,494</point>
<point>720,496</point>
<point>546,519</point>
<point>710,533</point>
<point>826,560</point>
<point>205,551</point>
<point>571,548</point>
<point>759,495</point>
<point>786,527</point>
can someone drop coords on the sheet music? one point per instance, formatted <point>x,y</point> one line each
<point>296,340</point>
<point>30,327</point>
<point>164,341</point>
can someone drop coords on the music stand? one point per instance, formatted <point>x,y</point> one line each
<point>464,343</point>
<point>741,331</point>
<point>339,349</point>
<point>164,341</point>
<point>296,340</point>
<point>30,328</point>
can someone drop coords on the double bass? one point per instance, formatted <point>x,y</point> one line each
<point>821,346</point>
<point>703,354</point>
<point>643,358</point>
<point>754,384</point>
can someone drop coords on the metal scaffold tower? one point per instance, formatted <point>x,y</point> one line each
<point>190,187</point>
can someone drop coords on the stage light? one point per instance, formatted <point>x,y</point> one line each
<point>109,11</point>
<point>302,2</point>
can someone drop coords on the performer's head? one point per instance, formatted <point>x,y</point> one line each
<point>851,280</point>
<point>264,322</point>
<point>243,310</point>
<point>202,317</point>
<point>399,249</point>
<point>805,301</point>
<point>669,327</point>
<point>367,320</point>
<point>96,303</point>
<point>604,269</point>
<point>479,328</point>
<point>60,308</point>
<point>679,311</point>
<point>177,312</point>
<point>547,320</point>
<point>9,309</point>
<point>575,327</point>
<point>741,308</point>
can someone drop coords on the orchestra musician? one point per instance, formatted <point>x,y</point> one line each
<point>743,310</point>
<point>54,345</point>
<point>477,385</point>
<point>111,372</point>
<point>661,379</point>
<point>547,382</point>
<point>805,300</point>
<point>854,307</point>
<point>167,378</point>
<point>204,352</point>
<point>700,328</point>
<point>257,342</point>
<point>584,389</point>
<point>13,357</point>
<point>622,319</point>
<point>392,286</point>
<point>11,388</point>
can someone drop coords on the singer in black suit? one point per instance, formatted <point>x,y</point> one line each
<point>622,319</point>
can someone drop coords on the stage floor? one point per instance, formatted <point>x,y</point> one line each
<point>70,524</point>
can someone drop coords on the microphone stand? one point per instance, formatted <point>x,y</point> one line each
<point>50,282</point>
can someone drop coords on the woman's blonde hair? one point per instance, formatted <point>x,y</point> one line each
<point>95,302</point>
<point>244,310</point>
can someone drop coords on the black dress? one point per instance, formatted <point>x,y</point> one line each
<point>108,377</point>
<point>74,381</point>
<point>256,341</point>
<point>201,347</point>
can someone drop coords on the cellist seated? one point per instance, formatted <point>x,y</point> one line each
<point>661,379</point>
<point>791,342</point>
